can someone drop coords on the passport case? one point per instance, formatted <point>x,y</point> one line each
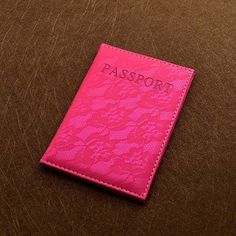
<point>119,123</point>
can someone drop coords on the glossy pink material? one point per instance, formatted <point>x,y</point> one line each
<point>120,121</point>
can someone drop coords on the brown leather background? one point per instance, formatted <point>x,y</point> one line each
<point>46,48</point>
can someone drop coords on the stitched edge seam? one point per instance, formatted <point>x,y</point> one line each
<point>164,140</point>
<point>166,136</point>
<point>91,178</point>
<point>148,57</point>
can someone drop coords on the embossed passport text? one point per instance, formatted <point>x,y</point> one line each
<point>119,124</point>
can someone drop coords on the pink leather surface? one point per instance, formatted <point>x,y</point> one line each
<point>120,121</point>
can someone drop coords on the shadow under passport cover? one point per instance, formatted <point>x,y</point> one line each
<point>119,123</point>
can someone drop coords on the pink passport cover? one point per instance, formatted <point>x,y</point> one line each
<point>120,121</point>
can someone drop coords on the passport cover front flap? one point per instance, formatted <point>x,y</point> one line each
<point>119,123</point>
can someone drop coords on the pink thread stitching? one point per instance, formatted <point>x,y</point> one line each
<point>91,178</point>
<point>147,57</point>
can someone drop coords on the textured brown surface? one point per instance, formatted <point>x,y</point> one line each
<point>46,47</point>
